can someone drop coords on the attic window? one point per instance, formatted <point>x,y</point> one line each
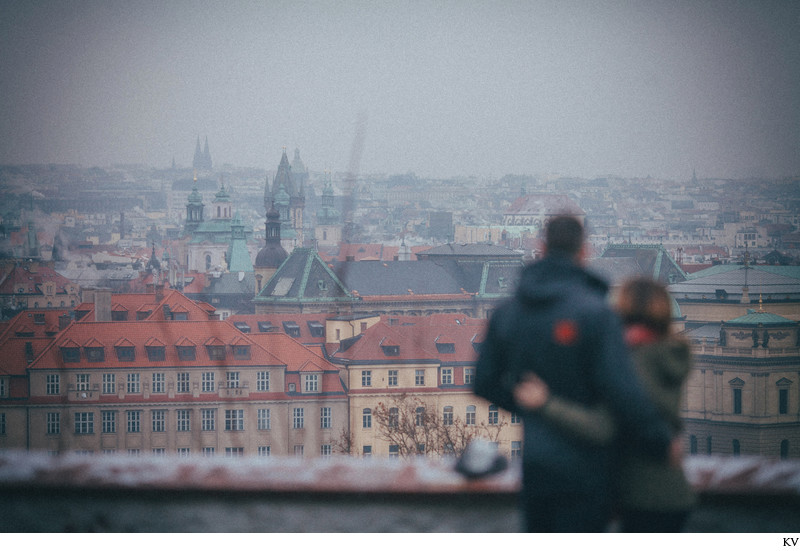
<point>186,352</point>
<point>446,347</point>
<point>501,282</point>
<point>125,353</point>
<point>721,294</point>
<point>265,327</point>
<point>95,354</point>
<point>70,354</point>
<point>216,352</point>
<point>119,315</point>
<point>291,328</point>
<point>316,329</point>
<point>241,352</point>
<point>24,333</point>
<point>38,318</point>
<point>322,284</point>
<point>180,316</point>
<point>143,314</point>
<point>156,353</point>
<point>391,349</point>
<point>242,326</point>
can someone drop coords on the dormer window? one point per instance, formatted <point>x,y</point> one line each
<point>70,354</point>
<point>241,352</point>
<point>265,327</point>
<point>242,326</point>
<point>216,352</point>
<point>95,354</point>
<point>125,353</point>
<point>316,329</point>
<point>292,329</point>
<point>391,350</point>
<point>446,347</point>
<point>38,318</point>
<point>311,382</point>
<point>156,353</point>
<point>186,353</point>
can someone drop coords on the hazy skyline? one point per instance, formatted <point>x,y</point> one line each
<point>446,88</point>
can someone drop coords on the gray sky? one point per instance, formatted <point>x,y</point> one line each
<point>581,88</point>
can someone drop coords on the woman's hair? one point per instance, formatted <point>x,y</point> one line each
<point>647,302</point>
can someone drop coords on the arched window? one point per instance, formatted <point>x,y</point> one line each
<point>493,414</point>
<point>394,418</point>
<point>470,415</point>
<point>447,415</point>
<point>366,418</point>
<point>208,262</point>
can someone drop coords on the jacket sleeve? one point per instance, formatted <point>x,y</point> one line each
<point>592,424</point>
<point>494,380</point>
<point>636,415</point>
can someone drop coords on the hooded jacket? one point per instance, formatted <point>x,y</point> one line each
<point>559,326</point>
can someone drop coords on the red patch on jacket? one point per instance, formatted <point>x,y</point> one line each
<point>565,332</point>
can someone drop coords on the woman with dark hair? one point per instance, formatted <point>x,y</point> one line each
<point>653,495</point>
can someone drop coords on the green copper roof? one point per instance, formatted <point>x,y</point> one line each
<point>755,317</point>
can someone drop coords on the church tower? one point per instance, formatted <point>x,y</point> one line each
<point>194,210</point>
<point>289,198</point>
<point>273,254</point>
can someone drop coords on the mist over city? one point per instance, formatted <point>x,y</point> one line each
<point>263,250</point>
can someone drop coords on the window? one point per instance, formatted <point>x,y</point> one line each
<point>82,381</point>
<point>419,416</point>
<point>471,415</point>
<point>95,354</point>
<point>158,382</point>
<point>234,419</point>
<point>783,400</point>
<point>134,421</point>
<point>469,375</point>
<point>207,452</point>
<point>208,381</point>
<point>393,377</point>
<point>516,449</point>
<point>263,451</point>
<point>262,381</point>
<point>708,445</point>
<point>447,415</point>
<point>419,377</point>
<point>493,415</point>
<point>693,444</point>
<point>208,418</point>
<point>312,383</point>
<point>53,384</point>
<point>155,353</point>
<point>241,352</point>
<point>736,448</point>
<point>784,449</point>
<point>2,424</point>
<point>366,418</point>
<point>184,420</point>
<point>159,417</point>
<point>232,379</point>
<point>516,419</point>
<point>264,419</point>
<point>126,353</point>
<point>84,422</point>
<point>390,349</point>
<point>394,418</point>
<point>447,376</point>
<point>134,452</point>
<point>183,383</point>
<point>109,383</point>
<point>183,452</point>
<point>186,353</point>
<point>737,400</point>
<point>108,421</point>
<point>70,354</point>
<point>445,347</point>
<point>366,378</point>
<point>299,450</point>
<point>325,450</point>
<point>216,353</point>
<point>159,451</point>
<point>394,451</point>
<point>234,452</point>
<point>292,329</point>
<point>325,418</point>
<point>297,418</point>
<point>133,386</point>
<point>54,423</point>
<point>366,451</point>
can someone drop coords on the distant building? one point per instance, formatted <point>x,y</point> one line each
<point>287,195</point>
<point>202,158</point>
<point>536,209</point>
<point>742,395</point>
<point>28,285</point>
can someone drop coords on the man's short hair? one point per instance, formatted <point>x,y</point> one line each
<point>564,234</point>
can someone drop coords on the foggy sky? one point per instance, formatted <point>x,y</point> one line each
<point>581,88</point>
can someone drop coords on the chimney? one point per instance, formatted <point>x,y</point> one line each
<point>159,292</point>
<point>102,305</point>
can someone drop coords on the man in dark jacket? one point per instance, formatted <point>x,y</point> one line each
<point>560,327</point>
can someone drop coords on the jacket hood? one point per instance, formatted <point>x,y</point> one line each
<point>554,277</point>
